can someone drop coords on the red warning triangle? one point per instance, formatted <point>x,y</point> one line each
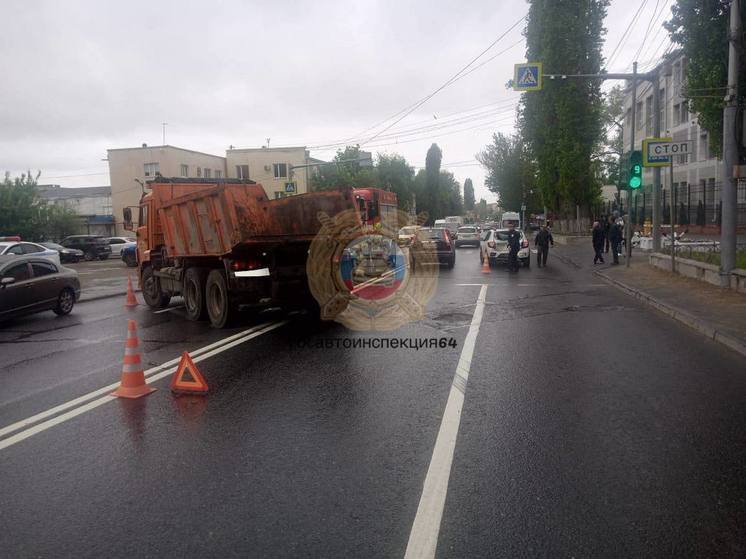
<point>188,378</point>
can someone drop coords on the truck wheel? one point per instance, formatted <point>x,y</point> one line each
<point>218,300</point>
<point>151,290</point>
<point>194,293</point>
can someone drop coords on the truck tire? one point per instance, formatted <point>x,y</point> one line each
<point>151,290</point>
<point>218,300</point>
<point>193,291</point>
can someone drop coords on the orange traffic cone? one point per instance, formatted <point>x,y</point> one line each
<point>486,266</point>
<point>133,377</point>
<point>131,299</point>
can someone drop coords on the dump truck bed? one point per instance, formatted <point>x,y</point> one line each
<point>211,219</point>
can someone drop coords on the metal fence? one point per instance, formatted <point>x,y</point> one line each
<point>696,204</point>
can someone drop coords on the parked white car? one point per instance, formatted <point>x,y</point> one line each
<point>494,247</point>
<point>118,243</point>
<point>24,247</point>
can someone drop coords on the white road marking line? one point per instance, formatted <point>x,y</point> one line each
<point>169,309</point>
<point>243,336</point>
<point>423,539</point>
<point>23,435</point>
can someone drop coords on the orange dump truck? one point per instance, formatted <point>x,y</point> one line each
<point>222,244</point>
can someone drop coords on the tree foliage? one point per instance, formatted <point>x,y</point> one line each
<point>510,172</point>
<point>468,195</point>
<point>700,27</point>
<point>563,123</point>
<point>24,213</point>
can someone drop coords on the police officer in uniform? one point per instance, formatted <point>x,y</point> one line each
<point>514,245</point>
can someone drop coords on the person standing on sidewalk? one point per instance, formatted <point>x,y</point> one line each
<point>514,245</point>
<point>606,224</point>
<point>598,242</point>
<point>542,240</point>
<point>615,238</point>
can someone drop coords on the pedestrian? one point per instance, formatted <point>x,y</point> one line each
<point>615,238</point>
<point>542,241</point>
<point>606,225</point>
<point>514,245</point>
<point>598,242</point>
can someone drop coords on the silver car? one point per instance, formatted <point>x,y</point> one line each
<point>494,247</point>
<point>24,247</point>
<point>467,235</point>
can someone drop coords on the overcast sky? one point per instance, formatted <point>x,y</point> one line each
<point>85,76</point>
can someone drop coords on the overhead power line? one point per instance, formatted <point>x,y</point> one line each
<point>625,35</point>
<point>448,82</point>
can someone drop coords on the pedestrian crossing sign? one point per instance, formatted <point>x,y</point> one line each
<point>527,77</point>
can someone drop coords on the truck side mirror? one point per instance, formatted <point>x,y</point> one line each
<point>127,214</point>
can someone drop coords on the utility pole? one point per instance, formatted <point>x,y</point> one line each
<point>730,151</point>
<point>628,225</point>
<point>657,170</point>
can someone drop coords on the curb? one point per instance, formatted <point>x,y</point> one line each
<point>678,314</point>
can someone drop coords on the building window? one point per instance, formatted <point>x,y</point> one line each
<point>663,105</point>
<point>676,115</point>
<point>638,115</point>
<point>218,174</point>
<point>684,113</point>
<point>649,115</point>
<point>208,173</point>
<point>199,171</point>
<point>703,151</point>
<point>281,170</point>
<point>242,171</point>
<point>184,170</point>
<point>152,169</point>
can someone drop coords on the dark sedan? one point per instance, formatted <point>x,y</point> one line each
<point>66,254</point>
<point>30,284</point>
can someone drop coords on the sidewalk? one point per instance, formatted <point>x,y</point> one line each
<point>719,314</point>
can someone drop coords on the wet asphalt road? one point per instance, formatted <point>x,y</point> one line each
<point>591,427</point>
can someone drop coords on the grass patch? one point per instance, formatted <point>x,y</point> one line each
<point>708,257</point>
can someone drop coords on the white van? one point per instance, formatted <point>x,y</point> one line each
<point>510,218</point>
<point>452,226</point>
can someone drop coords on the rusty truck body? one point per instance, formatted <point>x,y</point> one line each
<point>222,244</point>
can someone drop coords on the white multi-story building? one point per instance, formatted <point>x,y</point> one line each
<point>696,177</point>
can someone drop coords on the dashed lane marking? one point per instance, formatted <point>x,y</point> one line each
<point>423,539</point>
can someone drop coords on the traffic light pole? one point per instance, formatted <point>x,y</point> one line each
<point>657,170</point>
<point>627,222</point>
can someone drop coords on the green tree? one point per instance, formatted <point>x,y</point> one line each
<point>22,208</point>
<point>563,123</point>
<point>348,172</point>
<point>432,195</point>
<point>481,209</point>
<point>395,174</point>
<point>450,202</point>
<point>700,27</point>
<point>468,195</point>
<point>26,214</point>
<point>510,172</point>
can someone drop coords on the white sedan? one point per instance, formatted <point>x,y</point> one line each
<point>119,243</point>
<point>494,247</point>
<point>24,247</point>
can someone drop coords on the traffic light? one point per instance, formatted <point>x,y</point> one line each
<point>635,170</point>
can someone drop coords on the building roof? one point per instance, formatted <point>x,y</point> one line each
<point>56,192</point>
<point>287,148</point>
<point>166,146</point>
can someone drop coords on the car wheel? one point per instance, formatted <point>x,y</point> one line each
<point>219,307</point>
<point>194,293</point>
<point>65,302</point>
<point>130,260</point>
<point>103,257</point>
<point>151,290</point>
<point>452,261</point>
<point>88,255</point>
